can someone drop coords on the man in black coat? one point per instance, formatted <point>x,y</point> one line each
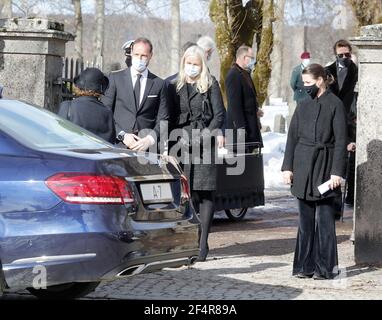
<point>345,74</point>
<point>243,109</point>
<point>138,100</point>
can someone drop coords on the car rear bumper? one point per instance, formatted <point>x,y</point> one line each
<point>83,257</point>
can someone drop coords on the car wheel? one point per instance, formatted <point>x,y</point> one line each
<point>72,290</point>
<point>236,214</point>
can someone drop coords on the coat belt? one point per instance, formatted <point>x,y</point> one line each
<point>317,147</point>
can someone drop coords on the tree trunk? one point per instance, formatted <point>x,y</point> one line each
<point>263,68</point>
<point>234,25</point>
<point>274,90</point>
<point>99,33</point>
<point>175,35</point>
<point>78,28</point>
<point>6,8</point>
<point>367,11</point>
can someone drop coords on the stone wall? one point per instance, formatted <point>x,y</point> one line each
<point>31,52</point>
<point>368,206</point>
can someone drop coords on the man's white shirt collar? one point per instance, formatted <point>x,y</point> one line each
<point>135,72</point>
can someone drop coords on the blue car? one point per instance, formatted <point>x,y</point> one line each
<point>75,210</point>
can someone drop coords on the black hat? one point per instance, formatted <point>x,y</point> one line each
<point>92,79</point>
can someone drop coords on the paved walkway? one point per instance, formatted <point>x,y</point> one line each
<point>251,259</point>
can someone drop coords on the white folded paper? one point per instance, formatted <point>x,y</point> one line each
<point>324,187</point>
<point>222,152</point>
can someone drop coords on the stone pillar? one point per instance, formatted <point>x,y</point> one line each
<point>368,205</point>
<point>31,52</point>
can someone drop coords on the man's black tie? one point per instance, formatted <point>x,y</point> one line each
<point>137,90</point>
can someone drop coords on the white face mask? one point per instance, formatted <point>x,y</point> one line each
<point>191,70</point>
<point>138,64</point>
<point>305,62</point>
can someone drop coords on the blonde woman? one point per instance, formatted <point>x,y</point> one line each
<point>196,104</point>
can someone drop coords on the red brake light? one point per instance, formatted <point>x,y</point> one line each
<point>92,189</point>
<point>185,196</point>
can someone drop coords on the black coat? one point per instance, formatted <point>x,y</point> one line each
<point>316,145</point>
<point>242,104</point>
<point>187,111</point>
<point>346,94</point>
<point>120,98</point>
<point>90,114</point>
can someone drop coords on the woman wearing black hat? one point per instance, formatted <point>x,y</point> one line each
<point>86,110</point>
<point>316,153</point>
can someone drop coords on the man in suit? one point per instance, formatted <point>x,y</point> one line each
<point>345,74</point>
<point>243,110</point>
<point>138,100</point>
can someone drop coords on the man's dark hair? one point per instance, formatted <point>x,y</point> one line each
<point>187,45</point>
<point>243,49</point>
<point>342,44</point>
<point>143,40</point>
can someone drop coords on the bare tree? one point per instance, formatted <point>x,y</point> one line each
<point>27,7</point>
<point>6,8</point>
<point>99,33</point>
<point>175,35</point>
<point>78,28</point>
<point>274,89</point>
<point>235,25</point>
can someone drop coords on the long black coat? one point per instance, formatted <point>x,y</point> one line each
<point>346,94</point>
<point>187,111</point>
<point>316,145</point>
<point>130,118</point>
<point>242,104</point>
<point>90,114</point>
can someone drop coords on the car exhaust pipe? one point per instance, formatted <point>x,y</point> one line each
<point>131,271</point>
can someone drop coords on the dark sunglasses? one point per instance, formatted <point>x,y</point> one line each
<point>342,55</point>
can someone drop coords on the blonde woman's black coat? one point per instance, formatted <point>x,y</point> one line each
<point>316,145</point>
<point>186,113</point>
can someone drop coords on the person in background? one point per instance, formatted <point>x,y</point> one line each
<point>137,98</point>
<point>243,111</point>
<point>198,105</point>
<point>316,153</point>
<point>127,48</point>
<point>345,74</point>
<point>208,45</point>
<point>296,80</point>
<point>86,110</point>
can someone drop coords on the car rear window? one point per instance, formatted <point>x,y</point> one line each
<point>41,129</point>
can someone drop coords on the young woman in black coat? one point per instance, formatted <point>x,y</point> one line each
<point>316,153</point>
<point>197,109</point>
<point>86,110</point>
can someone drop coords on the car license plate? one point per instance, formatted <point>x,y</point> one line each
<point>156,192</point>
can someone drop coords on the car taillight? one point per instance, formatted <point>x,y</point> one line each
<point>90,189</point>
<point>185,196</point>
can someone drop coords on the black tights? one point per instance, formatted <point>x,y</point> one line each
<point>203,202</point>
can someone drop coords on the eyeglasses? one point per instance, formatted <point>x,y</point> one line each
<point>342,55</point>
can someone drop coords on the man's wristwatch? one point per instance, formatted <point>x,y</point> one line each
<point>121,136</point>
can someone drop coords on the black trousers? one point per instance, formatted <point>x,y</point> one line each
<point>350,179</point>
<point>204,205</point>
<point>316,247</point>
